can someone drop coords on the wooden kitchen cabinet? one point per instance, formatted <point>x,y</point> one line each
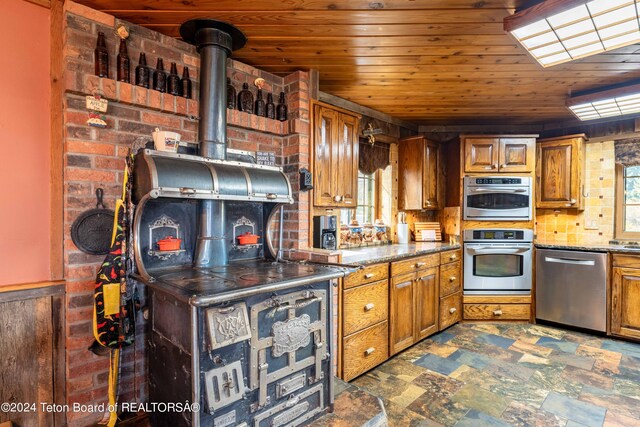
<point>420,162</point>
<point>364,330</point>
<point>499,153</point>
<point>450,290</point>
<point>413,308</point>
<point>625,296</point>
<point>335,157</point>
<point>560,172</point>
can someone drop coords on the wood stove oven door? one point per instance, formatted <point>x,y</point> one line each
<point>289,335</point>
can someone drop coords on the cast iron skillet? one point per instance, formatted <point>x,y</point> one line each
<point>91,231</point>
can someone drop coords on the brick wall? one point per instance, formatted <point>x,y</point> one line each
<point>94,158</point>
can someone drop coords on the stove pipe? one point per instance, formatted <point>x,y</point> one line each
<point>215,40</point>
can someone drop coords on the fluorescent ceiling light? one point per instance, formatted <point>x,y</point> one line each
<point>555,31</point>
<point>607,103</point>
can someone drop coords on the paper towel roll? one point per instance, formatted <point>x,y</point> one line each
<point>403,234</point>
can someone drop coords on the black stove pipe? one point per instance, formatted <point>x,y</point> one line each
<point>215,40</point>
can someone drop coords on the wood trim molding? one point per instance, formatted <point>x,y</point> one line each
<point>30,286</point>
<point>537,12</point>
<point>43,3</point>
<point>347,105</point>
<point>56,220</point>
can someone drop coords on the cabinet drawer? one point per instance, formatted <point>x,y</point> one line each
<point>450,256</point>
<point>371,273</point>
<point>624,260</point>
<point>449,278</point>
<point>450,310</point>
<point>414,264</point>
<point>365,306</point>
<point>365,350</point>
<point>497,311</point>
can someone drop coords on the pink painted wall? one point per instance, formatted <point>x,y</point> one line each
<point>25,143</point>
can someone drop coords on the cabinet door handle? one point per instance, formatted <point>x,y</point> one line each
<point>504,166</point>
<point>452,310</point>
<point>428,203</point>
<point>452,257</point>
<point>368,351</point>
<point>369,275</point>
<point>369,307</point>
<point>452,278</point>
<point>572,202</point>
<point>337,198</point>
<point>497,312</point>
<point>420,264</point>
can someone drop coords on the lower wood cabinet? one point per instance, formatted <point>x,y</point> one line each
<point>625,296</point>
<point>386,308</point>
<point>497,307</point>
<point>414,308</point>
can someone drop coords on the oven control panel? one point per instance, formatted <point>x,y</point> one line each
<point>498,235</point>
<point>498,181</point>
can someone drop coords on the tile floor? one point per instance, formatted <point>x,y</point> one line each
<point>510,375</point>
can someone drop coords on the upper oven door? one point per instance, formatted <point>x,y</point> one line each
<point>497,268</point>
<point>490,203</point>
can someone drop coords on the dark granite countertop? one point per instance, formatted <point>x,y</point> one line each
<point>632,249</point>
<point>388,253</point>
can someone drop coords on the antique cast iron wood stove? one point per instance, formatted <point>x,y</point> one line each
<point>247,338</point>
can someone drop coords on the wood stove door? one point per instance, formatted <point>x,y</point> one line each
<point>289,334</point>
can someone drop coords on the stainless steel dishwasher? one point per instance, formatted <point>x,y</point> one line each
<point>571,288</point>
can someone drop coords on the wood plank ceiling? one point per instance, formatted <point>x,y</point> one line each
<point>425,61</point>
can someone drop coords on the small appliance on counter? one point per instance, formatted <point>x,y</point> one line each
<point>325,232</point>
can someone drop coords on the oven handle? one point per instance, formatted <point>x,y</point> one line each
<point>498,190</point>
<point>506,250</point>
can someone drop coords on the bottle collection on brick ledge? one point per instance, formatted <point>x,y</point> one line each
<point>157,79</point>
<point>244,101</point>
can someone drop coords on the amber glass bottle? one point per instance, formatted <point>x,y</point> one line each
<point>281,110</point>
<point>142,72</point>
<point>101,55</point>
<point>260,105</point>
<point>160,77</point>
<point>185,82</point>
<point>124,64</point>
<point>173,81</point>
<point>270,107</point>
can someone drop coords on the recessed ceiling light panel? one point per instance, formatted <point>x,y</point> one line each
<point>607,103</point>
<point>554,32</point>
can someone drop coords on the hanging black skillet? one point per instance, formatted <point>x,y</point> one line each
<point>91,231</point>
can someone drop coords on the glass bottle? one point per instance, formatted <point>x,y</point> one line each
<point>101,56</point>
<point>142,72</point>
<point>160,77</point>
<point>231,95</point>
<point>185,82</point>
<point>260,105</point>
<point>281,109</point>
<point>245,99</point>
<point>173,81</point>
<point>124,64</point>
<point>270,108</point>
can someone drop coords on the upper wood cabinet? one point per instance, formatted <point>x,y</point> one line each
<point>335,157</point>
<point>502,154</point>
<point>420,174</point>
<point>559,174</point>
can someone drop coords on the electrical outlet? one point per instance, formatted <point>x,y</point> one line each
<point>591,224</point>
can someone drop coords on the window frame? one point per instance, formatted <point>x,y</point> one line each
<point>375,199</point>
<point>619,231</point>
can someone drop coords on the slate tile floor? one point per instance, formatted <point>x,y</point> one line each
<point>483,374</point>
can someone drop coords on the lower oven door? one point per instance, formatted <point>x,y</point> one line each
<point>492,204</point>
<point>497,268</point>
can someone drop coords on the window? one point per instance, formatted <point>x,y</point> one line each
<point>366,210</point>
<point>627,202</point>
